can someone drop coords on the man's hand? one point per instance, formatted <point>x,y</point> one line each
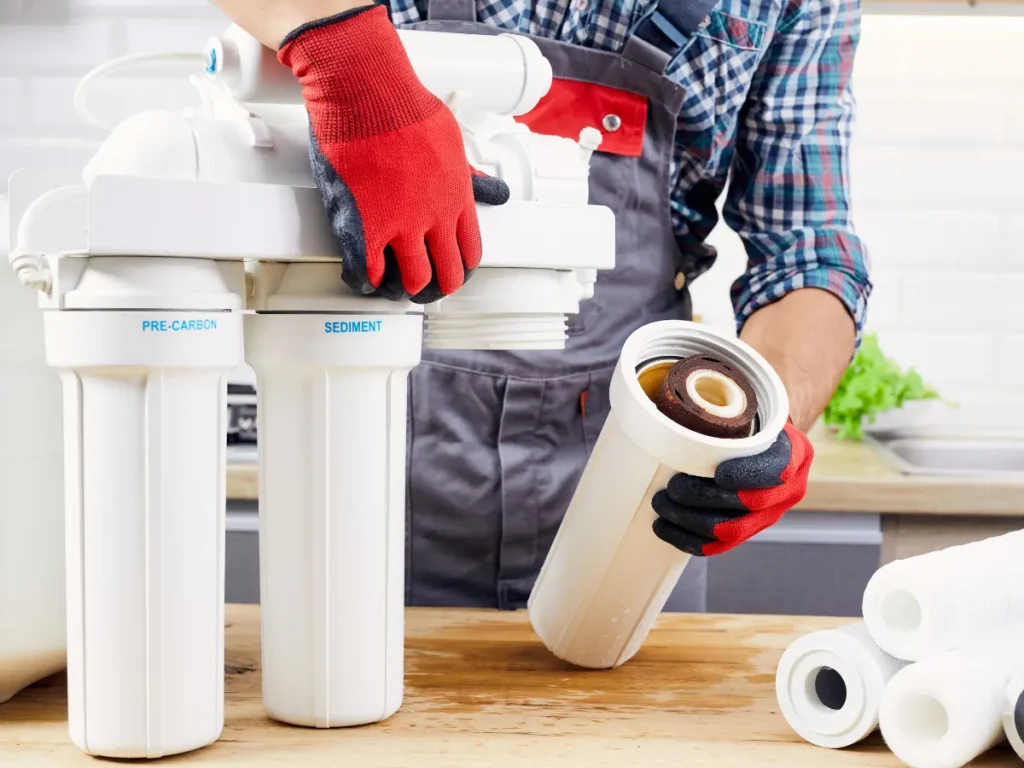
<point>808,337</point>
<point>705,516</point>
<point>388,158</point>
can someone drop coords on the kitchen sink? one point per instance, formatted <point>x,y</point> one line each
<point>995,456</point>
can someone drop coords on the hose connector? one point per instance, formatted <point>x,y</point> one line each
<point>32,272</point>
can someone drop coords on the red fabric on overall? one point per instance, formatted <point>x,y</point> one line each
<point>387,155</point>
<point>705,516</point>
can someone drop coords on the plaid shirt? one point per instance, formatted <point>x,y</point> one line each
<point>768,98</point>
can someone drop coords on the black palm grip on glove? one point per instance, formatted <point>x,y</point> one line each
<point>347,226</point>
<point>708,516</point>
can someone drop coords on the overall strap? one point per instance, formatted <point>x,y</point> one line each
<point>451,10</point>
<point>665,31</point>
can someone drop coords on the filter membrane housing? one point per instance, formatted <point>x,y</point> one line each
<point>607,576</point>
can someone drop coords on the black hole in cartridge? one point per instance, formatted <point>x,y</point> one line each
<point>830,688</point>
<point>1018,715</point>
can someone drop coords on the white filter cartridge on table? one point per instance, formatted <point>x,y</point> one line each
<point>930,603</point>
<point>331,404</point>
<point>145,461</point>
<point>607,576</point>
<point>829,685</point>
<point>1013,712</point>
<point>946,710</point>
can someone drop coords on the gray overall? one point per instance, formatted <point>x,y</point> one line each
<point>498,440</point>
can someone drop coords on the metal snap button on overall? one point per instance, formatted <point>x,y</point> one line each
<point>611,123</point>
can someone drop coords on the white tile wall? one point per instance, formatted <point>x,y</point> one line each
<point>938,165</point>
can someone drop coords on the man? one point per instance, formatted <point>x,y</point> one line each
<point>685,93</point>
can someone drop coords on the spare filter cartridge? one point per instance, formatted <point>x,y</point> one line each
<point>607,575</point>
<point>829,685</point>
<point>949,708</point>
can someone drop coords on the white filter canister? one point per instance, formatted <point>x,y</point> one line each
<point>331,411</point>
<point>145,471</point>
<point>145,390</point>
<point>607,576</point>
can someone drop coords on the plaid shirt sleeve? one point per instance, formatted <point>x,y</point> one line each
<point>788,197</point>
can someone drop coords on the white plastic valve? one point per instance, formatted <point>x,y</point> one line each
<point>502,75</point>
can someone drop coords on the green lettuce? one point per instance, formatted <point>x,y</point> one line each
<point>873,383</point>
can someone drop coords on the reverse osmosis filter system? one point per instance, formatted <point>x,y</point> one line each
<point>189,232</point>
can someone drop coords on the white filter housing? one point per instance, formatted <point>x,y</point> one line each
<point>331,390</point>
<point>145,463</point>
<point>607,576</point>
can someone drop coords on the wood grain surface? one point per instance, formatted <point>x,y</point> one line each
<point>482,691</point>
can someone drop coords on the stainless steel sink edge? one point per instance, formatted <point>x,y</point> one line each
<point>1000,446</point>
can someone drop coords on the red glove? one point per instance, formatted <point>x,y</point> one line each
<point>706,516</point>
<point>388,158</point>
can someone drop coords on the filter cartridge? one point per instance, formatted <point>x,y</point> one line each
<point>829,685</point>
<point>607,576</point>
<point>934,602</point>
<point>948,709</point>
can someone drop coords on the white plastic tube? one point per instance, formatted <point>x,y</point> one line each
<point>607,576</point>
<point>829,685</point>
<point>946,710</point>
<point>923,605</point>
<point>331,406</point>
<point>504,74</point>
<point>145,462</point>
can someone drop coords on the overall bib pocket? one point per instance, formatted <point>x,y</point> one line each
<point>717,69</point>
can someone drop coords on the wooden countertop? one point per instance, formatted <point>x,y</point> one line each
<point>845,477</point>
<point>482,691</point>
